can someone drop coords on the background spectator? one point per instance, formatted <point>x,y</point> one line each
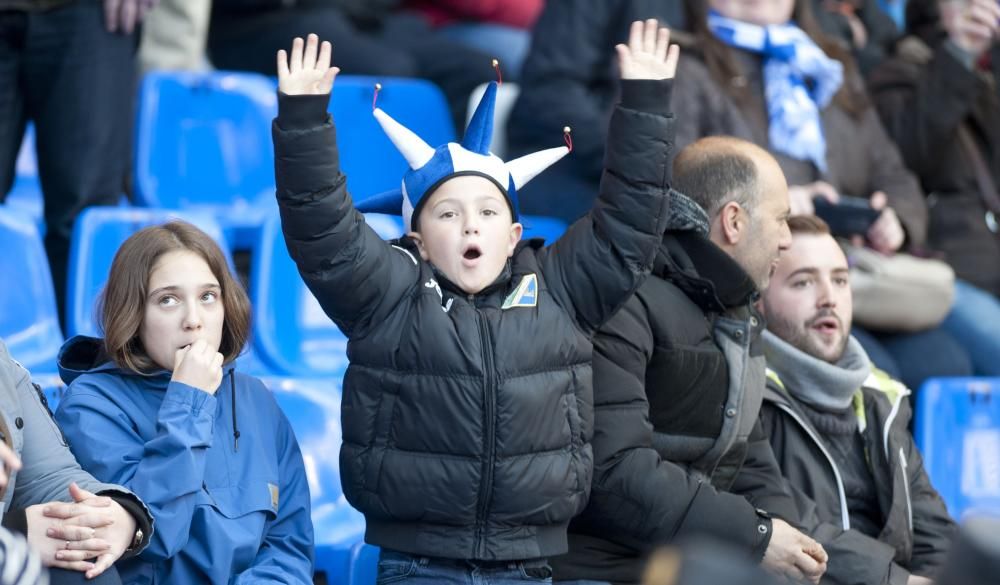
<point>501,28</point>
<point>68,67</point>
<point>938,98</point>
<point>570,78</point>
<point>174,36</point>
<point>372,37</point>
<point>828,139</point>
<point>97,524</point>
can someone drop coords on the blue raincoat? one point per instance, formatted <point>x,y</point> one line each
<point>222,474</point>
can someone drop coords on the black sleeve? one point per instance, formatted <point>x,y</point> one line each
<point>350,270</point>
<point>604,257</point>
<point>16,520</point>
<point>760,479</point>
<point>639,498</point>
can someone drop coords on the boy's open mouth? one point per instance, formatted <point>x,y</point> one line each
<point>472,253</point>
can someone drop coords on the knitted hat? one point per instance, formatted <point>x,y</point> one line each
<point>430,167</point>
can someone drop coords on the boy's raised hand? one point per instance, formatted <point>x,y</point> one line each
<point>307,72</point>
<point>649,54</point>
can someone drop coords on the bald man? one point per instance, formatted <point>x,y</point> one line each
<point>678,382</point>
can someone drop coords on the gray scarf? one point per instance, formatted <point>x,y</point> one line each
<point>823,385</point>
<point>685,215</point>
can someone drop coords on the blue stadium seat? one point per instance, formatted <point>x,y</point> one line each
<point>204,140</point>
<point>370,161</point>
<point>549,228</point>
<point>97,235</point>
<point>26,194</point>
<point>364,565</point>
<point>29,322</point>
<point>958,432</point>
<point>292,334</point>
<point>313,409</point>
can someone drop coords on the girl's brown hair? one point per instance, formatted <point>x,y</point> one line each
<point>122,304</point>
<point>720,59</point>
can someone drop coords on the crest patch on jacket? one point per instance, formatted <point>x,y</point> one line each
<point>525,295</point>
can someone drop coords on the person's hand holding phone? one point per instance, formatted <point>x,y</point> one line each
<point>886,235</point>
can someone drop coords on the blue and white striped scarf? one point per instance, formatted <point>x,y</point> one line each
<point>791,59</point>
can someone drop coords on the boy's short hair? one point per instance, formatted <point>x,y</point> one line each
<point>122,304</point>
<point>808,225</point>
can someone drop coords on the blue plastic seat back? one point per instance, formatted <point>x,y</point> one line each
<point>364,564</point>
<point>293,335</point>
<point>29,322</point>
<point>958,432</point>
<point>205,139</point>
<point>370,161</point>
<point>537,226</point>
<point>313,409</point>
<point>97,235</point>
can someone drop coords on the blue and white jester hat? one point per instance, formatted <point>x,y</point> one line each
<point>430,167</point>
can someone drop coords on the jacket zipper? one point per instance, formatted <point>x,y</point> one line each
<point>489,399</point>
<point>845,517</point>
<point>906,488</point>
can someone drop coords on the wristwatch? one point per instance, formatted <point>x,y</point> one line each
<point>136,540</point>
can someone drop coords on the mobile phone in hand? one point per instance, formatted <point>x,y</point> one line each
<point>851,216</point>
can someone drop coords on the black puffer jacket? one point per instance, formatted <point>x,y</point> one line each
<point>678,383</point>
<point>467,421</point>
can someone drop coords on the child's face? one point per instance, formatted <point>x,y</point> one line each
<point>467,232</point>
<point>184,305</point>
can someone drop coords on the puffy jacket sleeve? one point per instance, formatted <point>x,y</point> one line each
<point>48,465</point>
<point>760,480</point>
<point>286,556</point>
<point>604,257</point>
<point>167,471</point>
<point>350,270</point>
<point>642,499</point>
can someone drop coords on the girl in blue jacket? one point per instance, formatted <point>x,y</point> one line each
<point>156,406</point>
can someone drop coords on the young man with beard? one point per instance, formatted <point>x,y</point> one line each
<point>838,426</point>
<point>678,382</point>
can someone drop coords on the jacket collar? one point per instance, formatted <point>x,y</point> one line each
<point>706,274</point>
<point>498,284</point>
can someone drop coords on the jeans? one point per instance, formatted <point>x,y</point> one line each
<point>396,567</point>
<point>974,321</point>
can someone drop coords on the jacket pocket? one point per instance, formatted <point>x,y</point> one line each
<point>258,495</point>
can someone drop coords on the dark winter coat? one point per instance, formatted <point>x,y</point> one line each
<point>917,529</point>
<point>570,76</point>
<point>467,419</point>
<point>678,383</point>
<point>924,97</point>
